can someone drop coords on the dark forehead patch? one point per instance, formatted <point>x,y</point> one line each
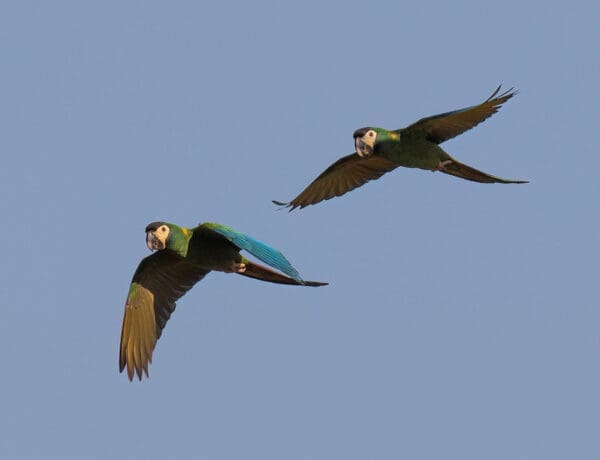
<point>153,226</point>
<point>360,132</point>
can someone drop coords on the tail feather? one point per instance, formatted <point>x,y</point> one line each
<point>260,272</point>
<point>458,169</point>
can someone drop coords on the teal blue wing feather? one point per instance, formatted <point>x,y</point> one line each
<point>258,249</point>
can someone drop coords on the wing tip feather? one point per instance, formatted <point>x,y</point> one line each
<point>283,205</point>
<point>504,96</point>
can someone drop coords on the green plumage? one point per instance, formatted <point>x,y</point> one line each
<point>379,151</point>
<point>182,258</point>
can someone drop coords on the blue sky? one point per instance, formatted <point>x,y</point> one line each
<point>462,319</point>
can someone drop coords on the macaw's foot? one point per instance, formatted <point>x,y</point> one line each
<point>442,165</point>
<point>238,268</point>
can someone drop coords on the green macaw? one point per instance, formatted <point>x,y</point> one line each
<point>182,258</point>
<point>417,146</point>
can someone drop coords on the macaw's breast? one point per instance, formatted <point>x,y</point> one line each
<point>412,152</point>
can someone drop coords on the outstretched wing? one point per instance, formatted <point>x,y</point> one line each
<point>444,126</point>
<point>263,251</point>
<point>346,174</point>
<point>158,282</point>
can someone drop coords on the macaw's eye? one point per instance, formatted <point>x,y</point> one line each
<point>370,133</point>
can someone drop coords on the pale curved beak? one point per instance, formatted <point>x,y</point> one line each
<point>362,148</point>
<point>153,243</point>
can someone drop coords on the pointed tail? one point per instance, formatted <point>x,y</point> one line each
<point>260,272</point>
<point>458,169</point>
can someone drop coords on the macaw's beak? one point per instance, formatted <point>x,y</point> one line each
<point>153,243</point>
<point>362,148</point>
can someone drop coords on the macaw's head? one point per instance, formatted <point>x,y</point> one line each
<point>157,235</point>
<point>364,141</point>
<point>162,235</point>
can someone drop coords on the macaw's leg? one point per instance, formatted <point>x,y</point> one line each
<point>238,267</point>
<point>442,165</point>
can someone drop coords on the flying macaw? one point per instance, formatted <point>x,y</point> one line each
<point>182,258</point>
<point>379,151</point>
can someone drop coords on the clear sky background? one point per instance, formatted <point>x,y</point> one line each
<point>462,319</point>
